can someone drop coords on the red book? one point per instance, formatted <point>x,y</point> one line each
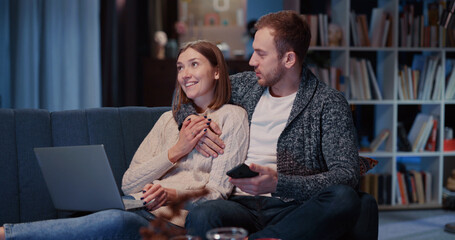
<point>402,187</point>
<point>431,143</point>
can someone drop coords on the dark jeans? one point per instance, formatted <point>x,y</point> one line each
<point>328,215</point>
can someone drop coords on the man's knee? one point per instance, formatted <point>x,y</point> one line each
<point>203,212</point>
<point>344,198</point>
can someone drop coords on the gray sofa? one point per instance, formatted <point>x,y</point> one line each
<point>23,193</point>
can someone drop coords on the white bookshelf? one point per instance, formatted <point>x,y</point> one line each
<point>387,65</point>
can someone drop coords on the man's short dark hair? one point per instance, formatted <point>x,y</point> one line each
<point>290,32</point>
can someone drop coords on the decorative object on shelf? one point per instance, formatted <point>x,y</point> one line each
<point>335,35</point>
<point>449,142</point>
<point>366,164</point>
<point>224,47</point>
<point>181,27</point>
<point>172,49</point>
<point>450,184</point>
<point>211,19</point>
<point>160,39</point>
<point>221,8</point>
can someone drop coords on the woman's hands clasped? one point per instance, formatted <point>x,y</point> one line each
<point>193,129</point>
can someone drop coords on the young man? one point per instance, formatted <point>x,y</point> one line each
<point>302,143</point>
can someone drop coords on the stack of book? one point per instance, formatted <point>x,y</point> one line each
<point>413,186</point>
<point>379,186</point>
<point>332,76</point>
<point>423,133</point>
<point>319,29</point>
<point>363,84</point>
<point>378,34</point>
<point>419,25</point>
<point>422,80</point>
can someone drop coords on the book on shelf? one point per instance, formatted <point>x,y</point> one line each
<point>386,40</point>
<point>399,199</point>
<point>419,64</point>
<point>312,20</point>
<point>419,189</point>
<point>323,27</point>
<point>437,87</point>
<point>377,24</point>
<point>419,25</point>
<point>423,80</point>
<point>431,73</point>
<point>363,84</point>
<point>402,189</point>
<point>379,186</point>
<point>450,89</point>
<point>365,79</point>
<point>400,88</point>
<point>403,142</point>
<point>379,140</point>
<point>420,131</point>
<point>364,29</point>
<point>413,186</point>
<point>374,82</point>
<point>432,139</point>
<point>353,24</point>
<point>403,85</point>
<point>376,34</point>
<point>427,180</point>
<point>332,76</point>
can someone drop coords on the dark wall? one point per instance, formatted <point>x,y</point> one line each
<point>125,42</point>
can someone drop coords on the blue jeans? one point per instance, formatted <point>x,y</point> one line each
<point>108,224</point>
<point>328,215</point>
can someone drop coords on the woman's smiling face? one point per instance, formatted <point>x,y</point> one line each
<point>197,77</point>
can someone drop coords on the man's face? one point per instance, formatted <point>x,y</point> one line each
<point>269,69</point>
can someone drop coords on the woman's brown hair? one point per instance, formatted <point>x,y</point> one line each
<point>222,85</point>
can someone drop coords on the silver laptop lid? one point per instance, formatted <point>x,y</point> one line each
<point>79,178</point>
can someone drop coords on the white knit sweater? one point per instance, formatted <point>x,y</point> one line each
<point>150,163</point>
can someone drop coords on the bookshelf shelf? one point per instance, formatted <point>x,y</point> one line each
<point>417,154</point>
<point>392,110</point>
<point>371,102</point>
<point>419,102</point>
<point>369,49</point>
<point>377,154</point>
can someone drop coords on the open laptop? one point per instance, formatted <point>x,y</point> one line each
<point>79,178</point>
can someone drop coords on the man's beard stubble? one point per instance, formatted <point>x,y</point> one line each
<point>272,77</point>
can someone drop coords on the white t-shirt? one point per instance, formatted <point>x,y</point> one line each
<point>269,119</point>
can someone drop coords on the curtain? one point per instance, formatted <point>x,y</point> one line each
<point>52,58</point>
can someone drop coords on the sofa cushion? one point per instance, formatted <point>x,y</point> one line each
<point>33,129</point>
<point>9,190</point>
<point>69,128</point>
<point>136,124</point>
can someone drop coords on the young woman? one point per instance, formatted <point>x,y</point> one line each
<point>165,165</point>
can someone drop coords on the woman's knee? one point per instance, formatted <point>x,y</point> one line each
<point>119,219</point>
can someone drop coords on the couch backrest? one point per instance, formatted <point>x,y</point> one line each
<point>23,195</point>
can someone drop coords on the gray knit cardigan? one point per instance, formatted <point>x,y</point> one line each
<point>317,148</point>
